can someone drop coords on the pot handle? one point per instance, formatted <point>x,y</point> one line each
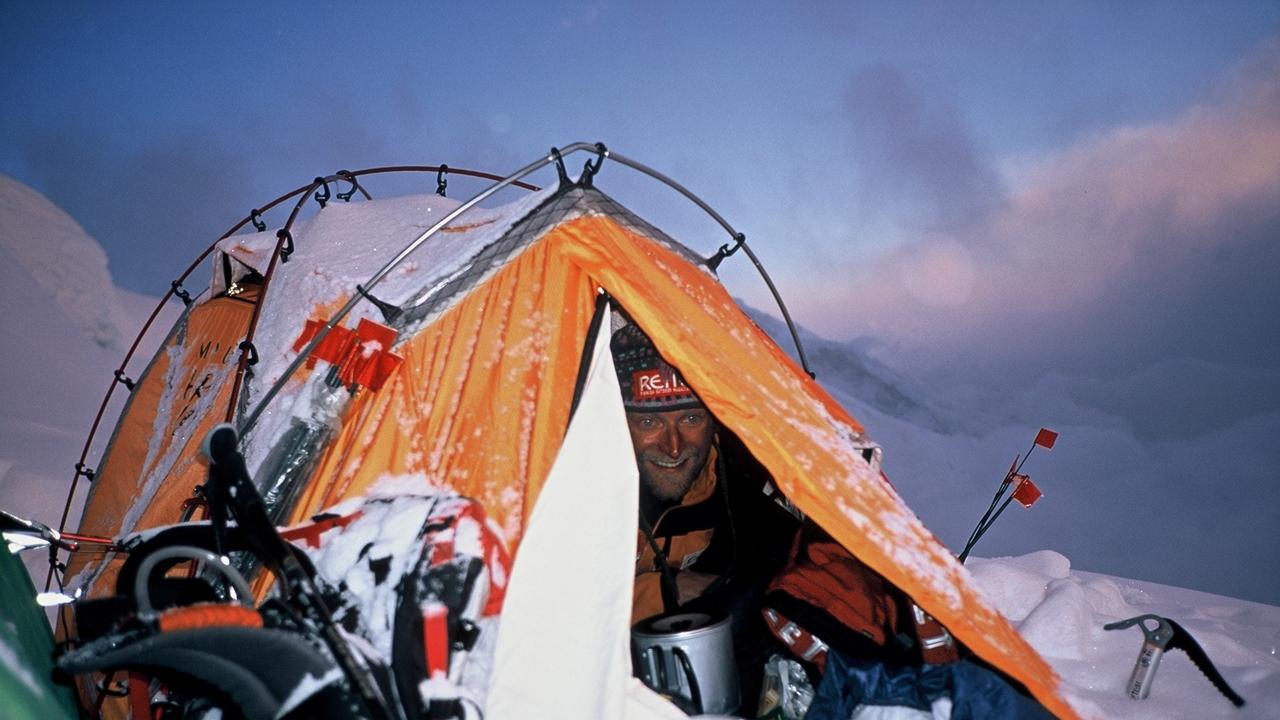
<point>695,695</point>
<point>656,669</point>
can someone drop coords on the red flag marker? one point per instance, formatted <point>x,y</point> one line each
<point>1046,438</point>
<point>1026,492</point>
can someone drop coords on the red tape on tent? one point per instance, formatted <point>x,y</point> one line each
<point>363,356</point>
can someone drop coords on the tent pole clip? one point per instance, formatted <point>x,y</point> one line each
<point>124,379</point>
<point>181,294</point>
<point>288,244</point>
<point>564,176</point>
<point>322,195</point>
<point>589,170</point>
<point>346,175</point>
<point>248,348</point>
<point>255,217</point>
<point>441,183</point>
<point>85,471</point>
<point>389,312</point>
<point>725,251</point>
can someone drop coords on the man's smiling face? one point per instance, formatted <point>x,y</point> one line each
<point>671,449</point>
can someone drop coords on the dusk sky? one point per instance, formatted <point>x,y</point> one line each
<point>1075,203</point>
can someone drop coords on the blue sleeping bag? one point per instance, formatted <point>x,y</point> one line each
<point>976,692</point>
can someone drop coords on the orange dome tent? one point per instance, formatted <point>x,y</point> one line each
<point>492,314</point>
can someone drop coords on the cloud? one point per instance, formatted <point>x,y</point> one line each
<point>1120,290</point>
<point>915,152</point>
<point>1134,244</point>
<point>156,199</point>
<point>145,204</point>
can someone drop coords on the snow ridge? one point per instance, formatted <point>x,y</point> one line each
<point>43,242</point>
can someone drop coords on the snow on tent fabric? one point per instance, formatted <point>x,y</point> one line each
<point>152,462</point>
<point>495,315</point>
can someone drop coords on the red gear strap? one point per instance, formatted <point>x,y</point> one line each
<point>435,640</point>
<point>139,695</point>
<point>311,532</point>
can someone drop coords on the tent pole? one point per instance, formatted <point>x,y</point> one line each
<point>556,156</point>
<point>341,314</point>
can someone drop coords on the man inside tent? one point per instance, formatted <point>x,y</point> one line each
<point>697,491</point>
<point>682,501</point>
<point>812,594</point>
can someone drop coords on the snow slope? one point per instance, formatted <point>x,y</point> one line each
<point>65,322</point>
<point>65,327</point>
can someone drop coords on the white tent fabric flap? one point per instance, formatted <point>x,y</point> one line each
<point>563,646</point>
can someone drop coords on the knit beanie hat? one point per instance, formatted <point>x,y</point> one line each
<point>649,383</point>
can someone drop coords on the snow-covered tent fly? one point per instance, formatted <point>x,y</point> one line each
<point>495,384</point>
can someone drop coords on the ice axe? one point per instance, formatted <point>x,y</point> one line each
<point>1159,634</point>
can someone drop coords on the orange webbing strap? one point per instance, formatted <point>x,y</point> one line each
<point>203,615</point>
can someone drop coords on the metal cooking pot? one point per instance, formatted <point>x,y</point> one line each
<point>689,658</point>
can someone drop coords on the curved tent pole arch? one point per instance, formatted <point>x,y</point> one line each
<point>740,241</point>
<point>176,290</point>
<point>556,155</point>
<point>249,421</point>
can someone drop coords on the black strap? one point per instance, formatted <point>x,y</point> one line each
<point>722,485</point>
<point>670,593</point>
<point>228,279</point>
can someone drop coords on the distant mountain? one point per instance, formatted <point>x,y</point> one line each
<point>856,379</point>
<point>47,258</point>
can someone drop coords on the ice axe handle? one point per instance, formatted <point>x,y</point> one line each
<point>1144,670</point>
<point>1156,633</point>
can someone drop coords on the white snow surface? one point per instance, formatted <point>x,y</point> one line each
<point>1061,613</point>
<point>39,240</point>
<point>1060,610</point>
